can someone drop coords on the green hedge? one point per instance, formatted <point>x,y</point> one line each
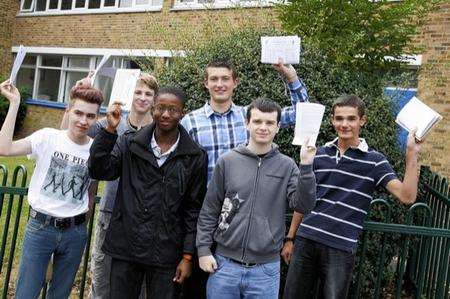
<point>324,81</point>
<point>4,105</point>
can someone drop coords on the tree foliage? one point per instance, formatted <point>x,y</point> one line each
<point>347,30</point>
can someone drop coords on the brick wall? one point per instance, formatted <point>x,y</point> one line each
<point>8,10</point>
<point>120,30</point>
<point>434,87</point>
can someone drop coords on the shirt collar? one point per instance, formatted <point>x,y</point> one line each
<point>209,111</point>
<point>362,146</point>
<point>157,150</point>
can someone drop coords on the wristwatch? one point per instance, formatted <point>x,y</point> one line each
<point>288,239</point>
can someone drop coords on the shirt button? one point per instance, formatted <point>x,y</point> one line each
<point>146,209</point>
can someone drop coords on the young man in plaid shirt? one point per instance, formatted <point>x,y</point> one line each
<point>219,125</point>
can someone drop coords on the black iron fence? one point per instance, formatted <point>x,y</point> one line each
<point>420,268</point>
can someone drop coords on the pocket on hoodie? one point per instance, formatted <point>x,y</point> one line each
<point>261,236</point>
<point>233,236</point>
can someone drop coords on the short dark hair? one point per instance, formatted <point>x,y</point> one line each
<point>86,94</point>
<point>264,105</point>
<point>225,63</point>
<point>176,91</point>
<point>350,100</point>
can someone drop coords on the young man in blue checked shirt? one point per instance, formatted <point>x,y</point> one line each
<point>219,126</point>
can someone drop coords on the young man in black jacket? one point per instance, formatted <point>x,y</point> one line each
<point>162,185</point>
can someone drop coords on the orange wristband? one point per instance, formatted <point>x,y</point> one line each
<point>187,257</point>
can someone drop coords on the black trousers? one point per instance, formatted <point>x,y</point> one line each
<point>127,277</point>
<point>312,261</point>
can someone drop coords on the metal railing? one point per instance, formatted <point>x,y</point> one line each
<point>422,259</point>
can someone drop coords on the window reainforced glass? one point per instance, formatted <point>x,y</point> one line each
<point>50,77</point>
<point>53,4</point>
<point>86,6</point>
<point>78,62</point>
<point>40,5</point>
<point>80,3</point>
<point>66,4</point>
<point>109,3</point>
<point>125,3</point>
<point>48,85</point>
<point>25,79</point>
<point>26,4</point>
<point>52,60</point>
<point>94,4</point>
<point>71,79</point>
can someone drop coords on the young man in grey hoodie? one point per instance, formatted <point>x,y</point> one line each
<point>245,206</point>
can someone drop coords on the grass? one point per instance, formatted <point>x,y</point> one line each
<point>20,215</point>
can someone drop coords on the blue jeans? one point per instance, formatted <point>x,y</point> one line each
<point>232,280</point>
<point>40,242</point>
<point>312,261</point>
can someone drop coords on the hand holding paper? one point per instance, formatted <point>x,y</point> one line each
<point>307,153</point>
<point>287,71</point>
<point>275,47</point>
<point>113,115</point>
<point>307,123</point>
<point>124,86</point>
<point>10,92</point>
<point>416,114</point>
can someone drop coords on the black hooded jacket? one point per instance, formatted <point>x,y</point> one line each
<point>155,214</point>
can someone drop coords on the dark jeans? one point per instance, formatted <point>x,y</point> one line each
<point>312,261</point>
<point>127,277</point>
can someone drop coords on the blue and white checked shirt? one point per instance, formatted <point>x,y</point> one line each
<point>219,133</point>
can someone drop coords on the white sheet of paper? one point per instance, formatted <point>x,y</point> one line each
<point>100,65</point>
<point>417,114</point>
<point>307,122</point>
<point>17,63</point>
<point>284,47</point>
<point>124,86</point>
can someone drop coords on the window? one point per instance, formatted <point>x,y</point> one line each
<point>50,77</point>
<point>211,4</point>
<point>40,7</point>
<point>53,4</point>
<point>27,5</point>
<point>25,77</point>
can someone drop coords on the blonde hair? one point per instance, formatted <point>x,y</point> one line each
<point>149,80</point>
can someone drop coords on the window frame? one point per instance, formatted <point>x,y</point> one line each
<point>94,55</point>
<point>86,10</point>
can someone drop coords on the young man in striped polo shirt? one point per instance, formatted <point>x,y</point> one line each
<point>347,173</point>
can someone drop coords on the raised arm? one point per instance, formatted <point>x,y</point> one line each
<point>297,91</point>
<point>7,146</point>
<point>406,191</point>
<point>105,158</point>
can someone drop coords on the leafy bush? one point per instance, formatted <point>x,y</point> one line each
<point>325,82</point>
<point>4,105</point>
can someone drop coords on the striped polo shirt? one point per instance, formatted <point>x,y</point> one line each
<point>345,184</point>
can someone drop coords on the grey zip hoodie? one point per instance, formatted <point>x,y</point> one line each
<point>245,205</point>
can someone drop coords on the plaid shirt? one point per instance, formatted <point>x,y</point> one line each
<point>219,133</point>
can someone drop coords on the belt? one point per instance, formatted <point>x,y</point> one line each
<point>244,263</point>
<point>61,223</point>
